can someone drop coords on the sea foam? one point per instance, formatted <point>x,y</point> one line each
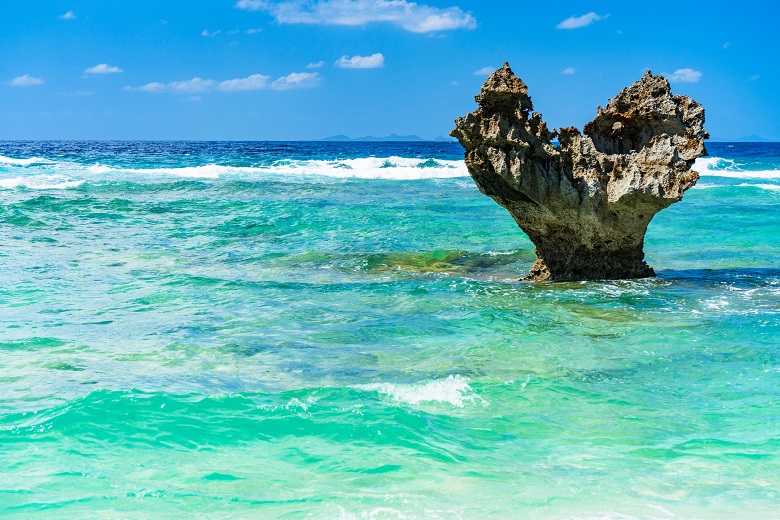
<point>23,162</point>
<point>387,168</point>
<point>769,187</point>
<point>391,168</point>
<point>719,167</point>
<point>40,182</point>
<point>454,390</point>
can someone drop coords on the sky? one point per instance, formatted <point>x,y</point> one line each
<point>299,70</point>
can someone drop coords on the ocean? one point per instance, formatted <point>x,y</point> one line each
<point>337,330</point>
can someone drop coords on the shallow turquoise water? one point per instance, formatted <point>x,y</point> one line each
<point>238,337</point>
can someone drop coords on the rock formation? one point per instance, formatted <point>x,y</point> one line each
<point>586,203</point>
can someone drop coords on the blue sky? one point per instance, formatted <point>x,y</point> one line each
<point>279,70</point>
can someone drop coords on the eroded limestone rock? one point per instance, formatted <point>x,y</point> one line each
<point>584,204</point>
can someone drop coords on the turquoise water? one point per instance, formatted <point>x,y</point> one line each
<point>313,330</point>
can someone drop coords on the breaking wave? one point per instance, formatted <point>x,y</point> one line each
<point>41,173</point>
<point>23,162</point>
<point>719,167</point>
<point>392,168</point>
<point>454,390</point>
<point>768,187</point>
<point>40,182</point>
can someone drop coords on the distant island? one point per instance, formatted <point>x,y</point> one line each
<point>391,137</point>
<point>747,139</point>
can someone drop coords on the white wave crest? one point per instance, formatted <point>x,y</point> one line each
<point>40,182</point>
<point>391,168</point>
<point>770,187</point>
<point>98,168</point>
<point>719,167</point>
<point>23,162</point>
<point>454,390</point>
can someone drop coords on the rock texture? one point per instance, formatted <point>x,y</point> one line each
<point>586,203</point>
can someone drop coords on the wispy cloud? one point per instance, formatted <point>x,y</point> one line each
<point>484,71</point>
<point>26,81</point>
<point>70,15</point>
<point>254,82</point>
<point>297,80</point>
<point>207,33</point>
<point>685,76</point>
<point>253,31</point>
<point>374,61</point>
<point>251,5</point>
<point>755,77</point>
<point>103,68</point>
<point>726,45</point>
<point>569,70</point>
<point>178,87</point>
<point>315,65</point>
<point>575,22</point>
<point>410,16</point>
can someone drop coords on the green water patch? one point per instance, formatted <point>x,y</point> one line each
<point>34,343</point>
<point>226,477</point>
<point>15,217</point>
<point>132,419</point>
<point>155,299</point>
<point>457,262</point>
<point>60,365</point>
<point>245,226</point>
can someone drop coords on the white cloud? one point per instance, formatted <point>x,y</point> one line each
<point>103,68</point>
<point>253,31</point>
<point>453,83</point>
<point>419,18</point>
<point>296,80</point>
<point>251,5</point>
<point>569,70</point>
<point>755,77</point>
<point>485,71</point>
<point>207,33</point>
<point>315,65</point>
<point>575,22</point>
<point>253,82</point>
<point>178,87</point>
<point>70,15</point>
<point>374,61</point>
<point>685,76</point>
<point>726,45</point>
<point>26,81</point>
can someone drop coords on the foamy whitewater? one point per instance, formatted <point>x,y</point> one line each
<point>337,330</point>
